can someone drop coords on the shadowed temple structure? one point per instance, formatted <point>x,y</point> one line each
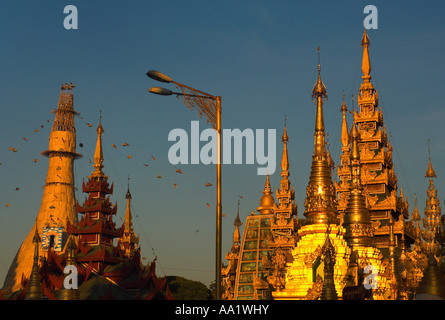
<point>356,240</point>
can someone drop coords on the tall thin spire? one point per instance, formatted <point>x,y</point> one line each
<point>285,158</point>
<point>321,202</point>
<point>237,223</point>
<point>319,95</point>
<point>128,241</point>
<point>98,154</point>
<point>128,215</point>
<point>430,173</point>
<point>344,125</point>
<point>366,63</point>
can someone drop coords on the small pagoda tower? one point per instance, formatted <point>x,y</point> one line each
<point>284,223</point>
<point>321,220</point>
<point>58,204</point>
<point>129,242</point>
<point>96,230</point>
<point>344,169</point>
<point>431,221</point>
<point>286,220</point>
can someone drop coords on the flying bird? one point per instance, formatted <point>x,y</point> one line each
<point>36,160</point>
<point>159,176</point>
<point>17,189</point>
<point>12,149</point>
<point>175,185</point>
<point>81,145</point>
<point>146,165</point>
<point>208,184</point>
<point>178,170</point>
<point>208,205</point>
<point>89,124</point>
<point>153,158</point>
<point>113,146</point>
<point>7,205</point>
<point>129,157</point>
<point>125,144</point>
<point>25,139</point>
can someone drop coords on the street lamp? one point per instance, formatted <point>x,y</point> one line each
<point>211,107</point>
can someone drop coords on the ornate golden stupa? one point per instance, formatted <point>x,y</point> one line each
<point>321,223</point>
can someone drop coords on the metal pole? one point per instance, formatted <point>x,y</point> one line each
<point>218,200</point>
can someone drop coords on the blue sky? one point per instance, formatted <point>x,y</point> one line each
<point>260,56</point>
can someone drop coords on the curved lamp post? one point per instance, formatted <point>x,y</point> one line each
<point>211,107</point>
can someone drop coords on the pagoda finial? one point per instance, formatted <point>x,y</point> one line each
<point>128,196</point>
<point>344,124</point>
<point>98,154</point>
<point>366,64</point>
<point>237,223</point>
<point>285,159</point>
<point>128,215</point>
<point>430,173</point>
<point>319,87</point>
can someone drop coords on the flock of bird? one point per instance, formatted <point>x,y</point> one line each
<point>81,145</point>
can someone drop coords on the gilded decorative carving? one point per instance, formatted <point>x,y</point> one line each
<point>315,292</point>
<point>310,257</point>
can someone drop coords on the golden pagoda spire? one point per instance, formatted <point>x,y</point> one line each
<point>128,242</point>
<point>319,95</point>
<point>128,215</point>
<point>366,64</point>
<point>430,173</point>
<point>34,289</point>
<point>267,201</point>
<point>237,223</point>
<point>344,125</point>
<point>285,159</point>
<point>321,202</point>
<point>98,154</point>
<point>357,219</point>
